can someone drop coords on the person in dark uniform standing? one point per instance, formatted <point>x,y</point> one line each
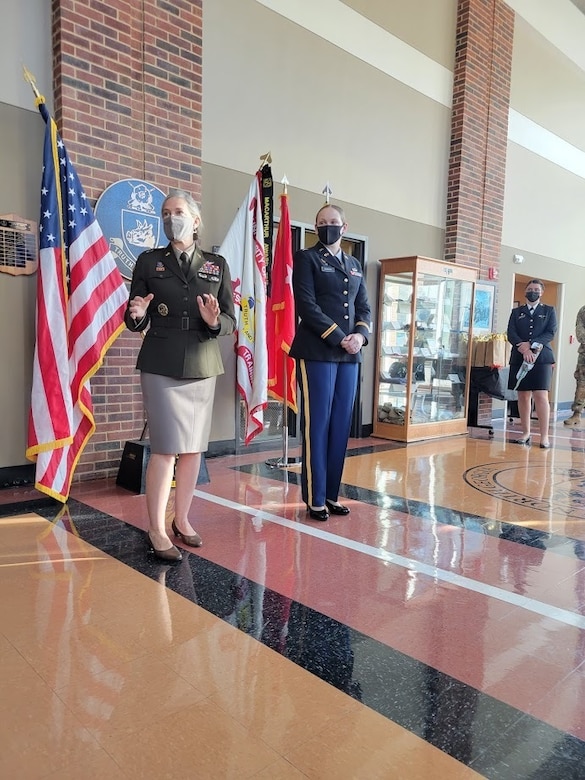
<point>533,322</point>
<point>332,304</point>
<point>184,297</point>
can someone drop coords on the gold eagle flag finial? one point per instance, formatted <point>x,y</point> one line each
<point>28,76</point>
<point>265,159</point>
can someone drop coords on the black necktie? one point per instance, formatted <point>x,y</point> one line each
<point>531,310</point>
<point>185,262</point>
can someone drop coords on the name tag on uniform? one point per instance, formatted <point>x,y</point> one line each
<point>327,269</point>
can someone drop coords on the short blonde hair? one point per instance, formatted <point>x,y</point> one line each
<point>338,209</point>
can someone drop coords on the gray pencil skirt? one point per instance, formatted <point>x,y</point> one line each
<point>178,412</point>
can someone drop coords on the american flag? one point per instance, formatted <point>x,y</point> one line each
<point>81,298</point>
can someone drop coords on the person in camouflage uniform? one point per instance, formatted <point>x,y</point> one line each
<point>579,402</point>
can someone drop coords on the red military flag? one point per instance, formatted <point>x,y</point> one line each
<point>280,319</point>
<point>81,298</point>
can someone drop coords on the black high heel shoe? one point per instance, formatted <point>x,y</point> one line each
<point>545,446</point>
<point>525,440</point>
<point>192,540</point>
<point>335,508</point>
<point>318,514</point>
<point>171,554</point>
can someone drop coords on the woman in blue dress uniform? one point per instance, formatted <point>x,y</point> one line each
<point>332,304</point>
<point>533,322</point>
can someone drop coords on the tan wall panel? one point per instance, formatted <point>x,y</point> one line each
<point>26,40</point>
<point>20,163</point>
<point>547,87</point>
<point>544,207</point>
<point>325,115</point>
<point>426,25</point>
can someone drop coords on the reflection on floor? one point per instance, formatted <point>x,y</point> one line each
<point>437,632</point>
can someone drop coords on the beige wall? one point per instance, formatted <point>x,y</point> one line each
<point>325,114</point>
<point>540,70</point>
<point>356,93</point>
<point>20,171</point>
<point>544,208</point>
<point>426,26</point>
<point>25,39</point>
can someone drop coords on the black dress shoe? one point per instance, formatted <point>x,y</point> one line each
<point>336,509</point>
<point>317,514</point>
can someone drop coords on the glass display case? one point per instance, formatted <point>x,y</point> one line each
<point>423,354</point>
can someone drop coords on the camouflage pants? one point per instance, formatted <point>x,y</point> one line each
<point>579,401</point>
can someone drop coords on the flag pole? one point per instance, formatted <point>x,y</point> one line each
<point>284,461</point>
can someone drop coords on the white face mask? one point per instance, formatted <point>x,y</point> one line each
<point>179,228</point>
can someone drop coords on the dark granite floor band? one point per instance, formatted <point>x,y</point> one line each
<point>532,537</point>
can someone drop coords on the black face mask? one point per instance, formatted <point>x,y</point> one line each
<point>532,296</point>
<point>329,234</point>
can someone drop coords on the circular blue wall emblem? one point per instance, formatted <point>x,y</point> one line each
<point>128,213</point>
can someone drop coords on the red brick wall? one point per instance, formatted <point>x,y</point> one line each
<point>127,88</point>
<point>479,130</point>
<point>479,137</point>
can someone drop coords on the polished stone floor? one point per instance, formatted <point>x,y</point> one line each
<point>437,632</point>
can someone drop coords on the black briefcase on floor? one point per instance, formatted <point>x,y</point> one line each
<point>132,470</point>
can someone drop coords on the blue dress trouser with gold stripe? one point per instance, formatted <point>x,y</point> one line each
<point>327,397</point>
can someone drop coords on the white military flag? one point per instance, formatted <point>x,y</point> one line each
<point>243,248</point>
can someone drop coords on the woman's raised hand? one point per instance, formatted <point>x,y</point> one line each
<point>139,306</point>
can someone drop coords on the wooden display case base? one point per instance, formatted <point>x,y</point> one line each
<point>429,430</point>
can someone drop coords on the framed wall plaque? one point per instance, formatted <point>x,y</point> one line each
<point>18,245</point>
